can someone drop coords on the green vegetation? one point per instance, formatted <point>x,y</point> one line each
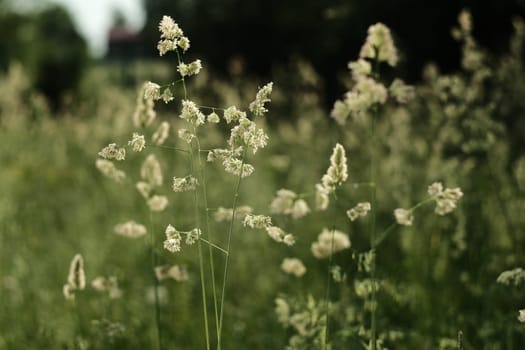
<point>433,281</point>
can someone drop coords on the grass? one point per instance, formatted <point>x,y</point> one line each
<point>437,278</point>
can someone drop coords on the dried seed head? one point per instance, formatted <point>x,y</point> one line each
<point>77,277</point>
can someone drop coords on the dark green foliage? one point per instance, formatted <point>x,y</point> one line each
<point>50,48</point>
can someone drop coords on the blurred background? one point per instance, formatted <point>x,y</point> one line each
<point>70,72</point>
<point>55,36</point>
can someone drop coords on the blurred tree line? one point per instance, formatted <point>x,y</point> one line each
<point>329,33</point>
<point>49,47</point>
<point>262,35</point>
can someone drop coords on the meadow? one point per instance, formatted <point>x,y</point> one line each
<point>385,222</point>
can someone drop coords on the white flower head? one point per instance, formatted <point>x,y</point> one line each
<point>275,233</point>
<point>166,45</point>
<point>283,202</point>
<point>157,203</point>
<point>173,239</point>
<point>404,217</point>
<point>77,277</point>
<point>137,142</point>
<point>278,235</point>
<point>184,43</point>
<point>167,95</point>
<point>255,137</point>
<point>360,68</point>
<point>151,91</point>
<point>521,316</point>
<point>247,133</point>
<point>223,214</point>
<point>380,45</point>
<point>192,68</point>
<point>223,154</point>
<point>176,272</point>
<point>263,95</point>
<point>465,21</point>
<point>144,113</point>
<point>446,199</point>
<point>322,200</point>
<point>232,114</point>
<point>68,291</point>
<point>289,239</point>
<point>435,189</point>
<point>107,168</point>
<point>299,209</point>
<point>183,184</point>
<point>169,29</point>
<point>514,277</point>
<point>186,135</point>
<point>360,210</point>
<point>329,242</point>
<point>99,284</point>
<point>282,309</point>
<point>237,167</point>
<point>160,136</point>
<point>191,113</point>
<point>340,112</point>
<point>130,229</point>
<point>293,266</point>
<point>112,151</point>
<point>366,93</point>
<point>337,172</point>
<point>213,118</point>
<point>257,221</point>
<point>151,172</point>
<point>193,236</point>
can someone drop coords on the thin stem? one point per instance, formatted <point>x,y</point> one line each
<point>201,261</point>
<point>197,220</point>
<point>384,234</point>
<point>77,310</point>
<point>460,340</point>
<point>210,245</point>
<point>373,211</point>
<point>214,246</point>
<point>212,108</point>
<point>170,148</point>
<point>171,84</point>
<point>182,79</point>
<point>373,233</point>
<point>155,281</point>
<point>327,296</point>
<point>226,264</point>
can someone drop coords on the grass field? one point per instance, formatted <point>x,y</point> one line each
<point>402,282</point>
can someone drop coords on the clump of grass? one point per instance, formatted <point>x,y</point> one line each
<point>246,138</point>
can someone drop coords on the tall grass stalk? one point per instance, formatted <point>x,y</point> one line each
<point>197,221</point>
<point>208,235</point>
<point>228,248</point>
<point>373,211</point>
<point>201,258</point>
<point>155,281</point>
<point>460,340</point>
<point>327,295</point>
